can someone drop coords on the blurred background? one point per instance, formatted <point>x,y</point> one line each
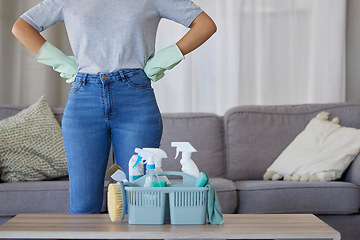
<point>265,52</point>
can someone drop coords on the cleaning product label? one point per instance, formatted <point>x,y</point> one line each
<point>137,171</point>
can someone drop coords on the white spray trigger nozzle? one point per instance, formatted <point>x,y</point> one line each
<point>184,147</point>
<point>158,155</point>
<point>177,153</point>
<point>149,157</point>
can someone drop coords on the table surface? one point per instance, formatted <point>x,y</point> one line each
<point>235,226</point>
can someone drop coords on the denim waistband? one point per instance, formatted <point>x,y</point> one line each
<point>113,76</point>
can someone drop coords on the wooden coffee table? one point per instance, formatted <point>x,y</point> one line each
<point>235,226</point>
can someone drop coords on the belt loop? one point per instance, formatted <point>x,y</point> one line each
<point>84,79</point>
<point>122,76</point>
<point>103,78</point>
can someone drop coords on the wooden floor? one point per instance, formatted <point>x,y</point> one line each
<point>99,226</point>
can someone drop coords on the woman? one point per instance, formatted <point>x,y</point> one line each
<point>111,100</point>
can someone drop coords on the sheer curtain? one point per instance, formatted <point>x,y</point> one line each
<point>22,79</point>
<point>264,52</point>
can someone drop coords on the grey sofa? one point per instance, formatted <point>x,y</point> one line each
<point>234,150</point>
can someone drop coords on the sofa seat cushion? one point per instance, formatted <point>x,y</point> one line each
<point>36,197</point>
<point>259,196</point>
<point>226,192</point>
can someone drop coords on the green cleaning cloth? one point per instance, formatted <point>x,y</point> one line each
<point>214,210</point>
<point>52,56</point>
<point>163,60</point>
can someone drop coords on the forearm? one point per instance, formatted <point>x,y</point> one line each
<point>28,35</point>
<point>45,52</point>
<point>202,28</point>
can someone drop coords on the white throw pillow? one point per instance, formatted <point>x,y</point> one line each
<point>321,152</point>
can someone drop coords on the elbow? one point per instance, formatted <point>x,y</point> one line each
<point>213,28</point>
<point>209,25</point>
<point>16,28</point>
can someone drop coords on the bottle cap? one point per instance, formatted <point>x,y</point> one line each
<point>150,166</point>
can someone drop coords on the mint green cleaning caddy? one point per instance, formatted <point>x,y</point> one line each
<point>181,202</point>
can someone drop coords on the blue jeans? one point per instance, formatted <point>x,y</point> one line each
<point>117,108</point>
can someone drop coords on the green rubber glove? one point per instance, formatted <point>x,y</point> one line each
<point>52,56</point>
<point>163,60</point>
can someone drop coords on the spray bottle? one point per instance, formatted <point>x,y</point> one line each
<point>136,168</point>
<point>159,154</point>
<point>151,176</point>
<point>188,165</point>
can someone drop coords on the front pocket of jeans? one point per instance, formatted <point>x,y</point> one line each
<point>139,80</point>
<point>76,86</point>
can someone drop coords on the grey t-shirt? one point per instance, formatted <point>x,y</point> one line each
<point>110,35</point>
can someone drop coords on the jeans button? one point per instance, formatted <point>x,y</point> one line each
<point>104,77</point>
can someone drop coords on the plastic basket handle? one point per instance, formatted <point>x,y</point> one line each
<point>188,180</point>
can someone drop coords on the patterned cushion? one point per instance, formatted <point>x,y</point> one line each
<point>31,145</point>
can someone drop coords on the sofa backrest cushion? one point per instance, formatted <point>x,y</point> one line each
<point>11,110</point>
<point>204,131</point>
<point>256,135</point>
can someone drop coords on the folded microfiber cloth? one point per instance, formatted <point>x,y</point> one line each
<point>214,209</point>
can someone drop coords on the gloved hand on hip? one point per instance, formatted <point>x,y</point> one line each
<point>52,56</point>
<point>163,60</point>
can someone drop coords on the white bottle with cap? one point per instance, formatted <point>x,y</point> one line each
<point>136,168</point>
<point>188,165</point>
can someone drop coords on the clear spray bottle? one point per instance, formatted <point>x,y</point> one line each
<point>151,176</point>
<point>159,154</point>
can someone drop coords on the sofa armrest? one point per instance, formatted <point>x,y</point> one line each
<point>352,174</point>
